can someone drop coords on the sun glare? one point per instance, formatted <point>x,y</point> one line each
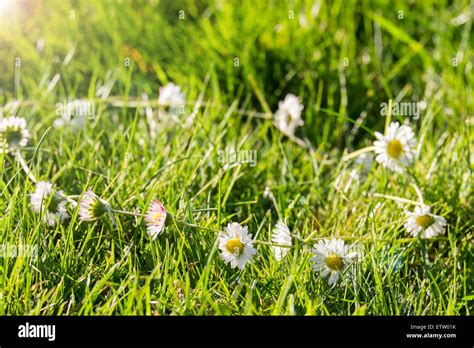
<point>5,5</point>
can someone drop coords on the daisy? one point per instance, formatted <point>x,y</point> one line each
<point>288,116</point>
<point>92,207</point>
<point>332,257</point>
<point>13,133</point>
<point>155,219</point>
<point>49,202</point>
<point>171,96</point>
<point>281,235</point>
<point>236,245</point>
<point>421,221</point>
<point>396,149</point>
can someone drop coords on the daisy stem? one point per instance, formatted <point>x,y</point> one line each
<point>272,244</point>
<point>25,167</point>
<point>68,198</point>
<point>127,212</point>
<point>418,192</point>
<point>350,238</point>
<point>297,237</point>
<point>74,196</point>
<point>297,141</point>
<point>358,152</point>
<point>140,102</point>
<point>263,115</point>
<point>307,239</point>
<point>370,239</point>
<point>177,221</point>
<point>395,198</point>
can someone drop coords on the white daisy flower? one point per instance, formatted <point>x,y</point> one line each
<point>332,257</point>
<point>288,116</point>
<point>155,218</point>
<point>13,133</point>
<point>281,235</point>
<point>49,202</point>
<point>172,97</point>
<point>236,245</point>
<point>92,207</point>
<point>395,150</point>
<point>421,221</point>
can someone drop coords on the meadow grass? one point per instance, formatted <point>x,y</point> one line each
<point>105,268</point>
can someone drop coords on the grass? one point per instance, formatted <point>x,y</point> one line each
<point>102,268</point>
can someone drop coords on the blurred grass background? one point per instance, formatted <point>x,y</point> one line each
<point>392,49</point>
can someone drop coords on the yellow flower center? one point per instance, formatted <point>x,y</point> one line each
<point>424,221</point>
<point>395,148</point>
<point>334,262</point>
<point>234,246</point>
<point>156,217</point>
